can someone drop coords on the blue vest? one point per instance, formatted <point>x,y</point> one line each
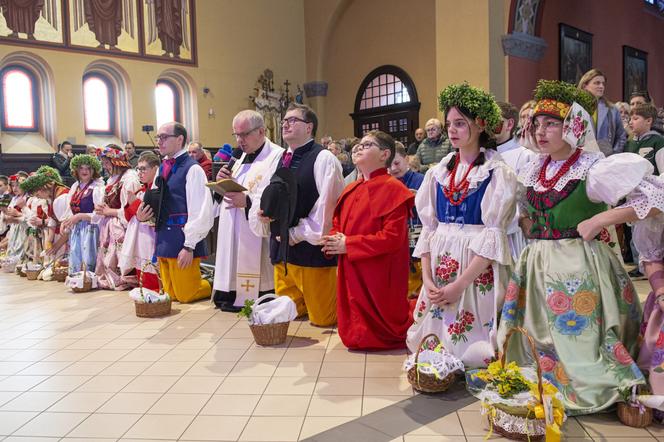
<point>468,212</point>
<point>170,236</point>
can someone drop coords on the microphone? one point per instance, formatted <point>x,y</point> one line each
<point>236,155</point>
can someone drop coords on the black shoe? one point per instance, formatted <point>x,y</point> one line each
<point>228,307</point>
<point>636,274</point>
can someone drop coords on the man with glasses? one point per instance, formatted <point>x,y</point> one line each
<point>434,147</point>
<point>311,278</point>
<point>185,217</point>
<point>243,269</point>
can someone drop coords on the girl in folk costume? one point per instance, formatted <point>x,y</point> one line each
<point>120,190</point>
<point>649,241</point>
<point>465,204</point>
<point>139,241</point>
<point>370,235</point>
<point>569,290</point>
<point>18,227</point>
<point>36,215</point>
<point>83,235</point>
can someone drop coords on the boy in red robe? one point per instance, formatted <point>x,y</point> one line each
<point>370,235</point>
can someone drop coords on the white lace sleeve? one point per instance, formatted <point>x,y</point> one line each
<point>498,210</point>
<point>425,202</point>
<point>648,237</point>
<point>611,179</point>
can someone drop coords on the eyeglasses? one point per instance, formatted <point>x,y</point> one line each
<point>547,125</point>
<point>164,137</point>
<point>292,120</point>
<point>143,168</point>
<point>364,146</point>
<point>244,134</point>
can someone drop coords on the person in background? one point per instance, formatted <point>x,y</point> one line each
<point>420,134</point>
<point>524,116</point>
<point>372,310</point>
<point>400,170</point>
<point>130,151</point>
<point>434,147</point>
<point>643,97</point>
<point>624,108</point>
<point>197,152</point>
<point>325,141</point>
<point>611,135</point>
<point>61,159</point>
<point>646,142</point>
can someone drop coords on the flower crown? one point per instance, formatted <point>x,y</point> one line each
<point>35,182</point>
<point>555,98</point>
<point>474,100</point>
<point>51,172</point>
<point>115,154</point>
<point>85,160</point>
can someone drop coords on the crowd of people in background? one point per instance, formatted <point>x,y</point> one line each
<point>496,217</point>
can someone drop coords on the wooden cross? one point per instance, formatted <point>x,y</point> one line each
<point>247,285</point>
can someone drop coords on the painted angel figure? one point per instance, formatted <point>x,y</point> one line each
<point>106,19</point>
<point>168,21</point>
<point>21,16</point>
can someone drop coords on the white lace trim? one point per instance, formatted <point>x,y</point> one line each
<point>492,244</point>
<point>516,424</point>
<point>476,176</point>
<point>435,363</point>
<point>578,171</point>
<point>647,196</point>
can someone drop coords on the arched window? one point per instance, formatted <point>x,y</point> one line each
<point>167,102</point>
<point>98,104</point>
<point>20,101</point>
<point>387,100</point>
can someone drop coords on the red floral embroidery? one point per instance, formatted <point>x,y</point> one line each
<point>621,354</point>
<point>660,340</point>
<point>462,324</point>
<point>484,282</point>
<point>512,291</point>
<point>559,302</point>
<point>447,269</point>
<point>547,363</point>
<point>628,293</point>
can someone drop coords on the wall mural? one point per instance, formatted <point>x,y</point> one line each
<point>161,30</point>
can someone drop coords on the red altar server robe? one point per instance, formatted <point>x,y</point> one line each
<point>372,278</point>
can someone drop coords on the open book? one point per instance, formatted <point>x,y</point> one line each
<point>226,185</point>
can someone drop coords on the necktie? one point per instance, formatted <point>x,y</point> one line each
<point>166,167</point>
<point>286,160</point>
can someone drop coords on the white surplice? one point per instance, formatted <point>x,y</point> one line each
<point>243,258</point>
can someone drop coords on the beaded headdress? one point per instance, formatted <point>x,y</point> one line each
<point>117,157</point>
<point>555,98</point>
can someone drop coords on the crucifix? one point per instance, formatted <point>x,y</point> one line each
<point>247,285</point>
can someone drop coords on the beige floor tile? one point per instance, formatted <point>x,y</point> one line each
<point>9,368</point>
<point>183,355</point>
<point>339,386</point>
<point>143,355</point>
<point>607,425</point>
<point>104,425</point>
<point>29,355</point>
<point>51,424</point>
<point>263,355</point>
<point>106,355</point>
<point>150,384</point>
<point>62,383</point>
<point>317,424</point>
<point>135,403</point>
<point>105,384</point>
<point>282,406</point>
<point>223,355</point>
<point>210,369</point>
<point>21,383</point>
<point>387,356</point>
<point>68,355</point>
<point>291,385</point>
<point>335,406</point>
<point>345,356</point>
<point>195,344</point>
<point>180,404</point>
<point>79,402</point>
<point>215,428</point>
<point>303,355</point>
<point>387,387</point>
<point>88,344</point>
<point>384,370</point>
<point>421,438</point>
<point>342,370</point>
<point>298,369</point>
<point>155,426</point>
<point>6,396</point>
<point>243,385</point>
<point>124,344</point>
<point>41,439</point>
<point>375,403</point>
<point>262,428</point>
<point>258,369</point>
<point>33,401</point>
<point>231,405</point>
<point>168,368</point>
<point>196,384</point>
<point>234,343</point>
<point>11,421</point>
<point>84,368</point>
<point>308,343</point>
<point>238,333</point>
<point>449,425</point>
<point>125,368</point>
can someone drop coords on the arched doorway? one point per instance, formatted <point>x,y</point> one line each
<point>387,100</point>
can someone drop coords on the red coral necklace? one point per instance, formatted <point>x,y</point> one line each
<point>551,182</point>
<point>456,193</point>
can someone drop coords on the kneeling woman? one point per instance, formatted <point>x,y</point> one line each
<point>83,235</point>
<point>569,290</point>
<point>465,203</point>
<point>370,235</point>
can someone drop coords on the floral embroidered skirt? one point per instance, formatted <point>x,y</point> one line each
<point>16,240</point>
<point>468,329</point>
<point>83,244</point>
<point>576,301</point>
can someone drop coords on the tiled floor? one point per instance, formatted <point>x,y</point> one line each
<point>83,367</point>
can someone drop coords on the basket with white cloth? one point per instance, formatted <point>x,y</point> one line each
<point>148,303</point>
<point>432,368</point>
<point>269,321</point>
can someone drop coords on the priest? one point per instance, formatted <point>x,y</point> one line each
<point>243,270</point>
<point>370,237</point>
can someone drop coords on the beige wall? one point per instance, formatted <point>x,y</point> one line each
<point>237,40</point>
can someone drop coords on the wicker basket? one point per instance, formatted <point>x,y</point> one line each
<point>20,272</point>
<point>633,414</point>
<point>32,275</point>
<point>60,273</point>
<point>520,413</point>
<point>152,309</point>
<point>424,382</point>
<point>87,283</point>
<point>270,334</point>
